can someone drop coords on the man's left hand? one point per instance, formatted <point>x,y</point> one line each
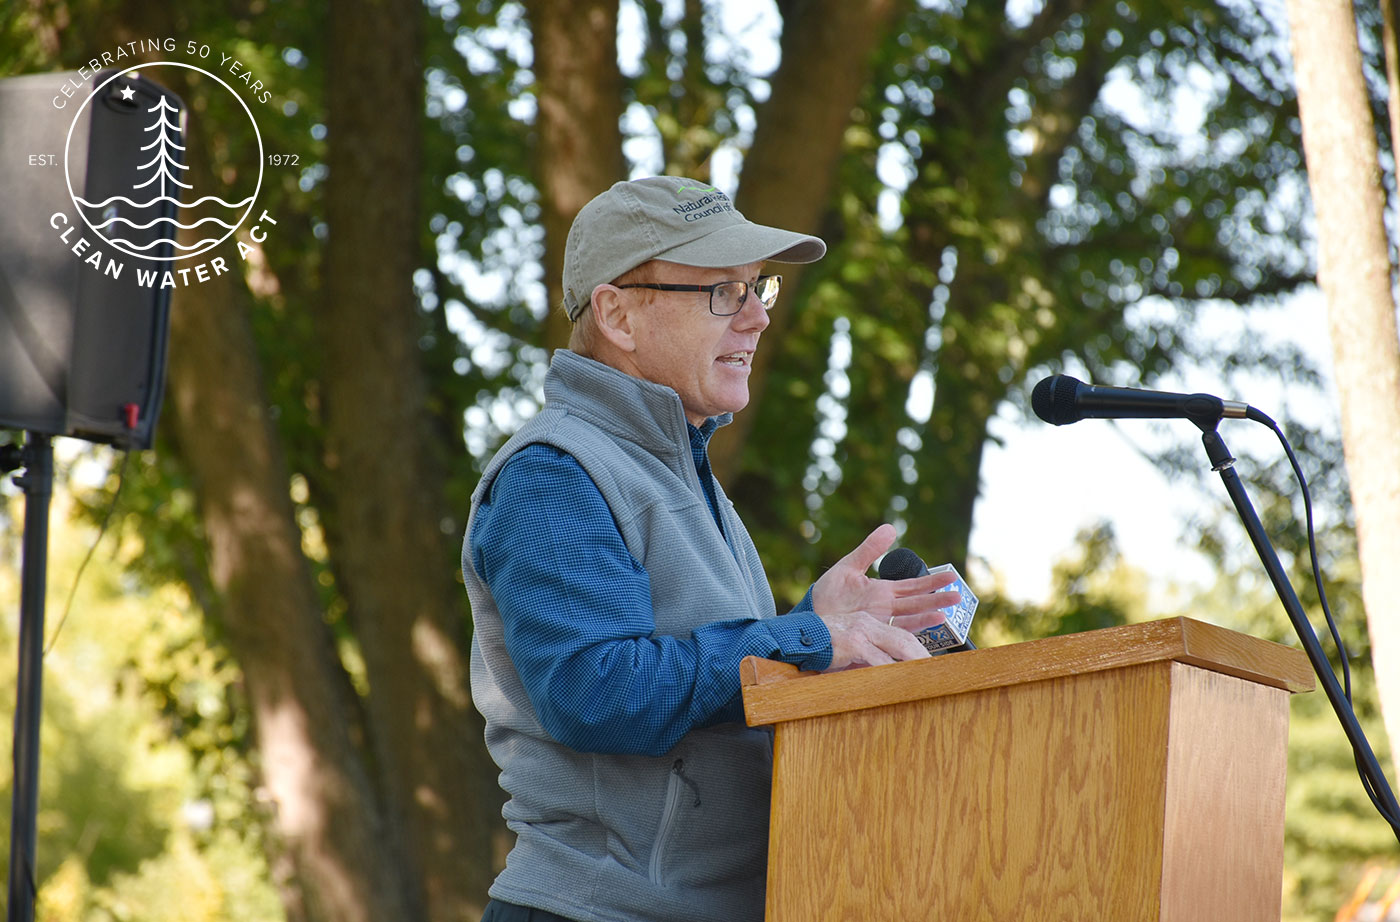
<point>914,604</point>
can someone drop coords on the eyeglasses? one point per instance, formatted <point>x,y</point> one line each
<point>728,298</point>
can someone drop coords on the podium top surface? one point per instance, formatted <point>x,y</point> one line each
<point>776,692</point>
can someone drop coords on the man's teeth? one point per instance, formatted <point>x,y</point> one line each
<point>736,358</point>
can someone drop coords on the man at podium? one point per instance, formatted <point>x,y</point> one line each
<point>615,590</point>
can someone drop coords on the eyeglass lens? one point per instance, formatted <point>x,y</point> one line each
<point>728,297</point>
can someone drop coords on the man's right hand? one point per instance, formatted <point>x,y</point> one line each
<point>860,639</point>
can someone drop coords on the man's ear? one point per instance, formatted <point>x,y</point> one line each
<point>612,312</point>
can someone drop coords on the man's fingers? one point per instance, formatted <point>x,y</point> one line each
<point>929,602</point>
<point>912,624</point>
<point>885,644</point>
<point>861,639</point>
<point>900,644</point>
<point>917,585</point>
<point>872,655</point>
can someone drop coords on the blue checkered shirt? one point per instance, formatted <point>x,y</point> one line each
<point>571,615</point>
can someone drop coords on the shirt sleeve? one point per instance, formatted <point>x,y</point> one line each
<point>578,621</point>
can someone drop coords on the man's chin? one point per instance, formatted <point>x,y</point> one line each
<point>737,404</point>
<point>719,408</point>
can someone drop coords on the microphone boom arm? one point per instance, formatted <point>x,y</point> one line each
<point>1372,776</point>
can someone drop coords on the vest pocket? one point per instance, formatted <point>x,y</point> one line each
<point>676,784</point>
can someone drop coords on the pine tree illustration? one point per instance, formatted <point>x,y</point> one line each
<point>164,159</point>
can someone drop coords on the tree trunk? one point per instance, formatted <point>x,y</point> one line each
<point>386,475</point>
<point>1354,273</point>
<point>579,153</point>
<point>790,172</point>
<point>326,821</point>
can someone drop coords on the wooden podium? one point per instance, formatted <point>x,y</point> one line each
<point>1132,773</point>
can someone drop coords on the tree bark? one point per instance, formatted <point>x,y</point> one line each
<point>790,171</point>
<point>386,474</point>
<point>579,147</point>
<point>326,820</point>
<point>1354,273</point>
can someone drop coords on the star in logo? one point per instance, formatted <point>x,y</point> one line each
<point>128,92</point>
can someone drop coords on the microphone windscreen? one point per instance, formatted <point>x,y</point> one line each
<point>1041,399</point>
<point>902,563</point>
<point>1053,400</point>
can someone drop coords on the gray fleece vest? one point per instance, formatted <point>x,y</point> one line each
<point>626,838</point>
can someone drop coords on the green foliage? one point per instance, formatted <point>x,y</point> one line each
<point>178,666</point>
<point>690,94</point>
<point>1057,204</point>
<point>1013,195</point>
<point>1049,204</point>
<point>481,218</point>
<point>222,880</point>
<point>144,782</point>
<point>1092,587</point>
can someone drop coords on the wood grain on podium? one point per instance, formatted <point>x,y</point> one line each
<point>1126,774</point>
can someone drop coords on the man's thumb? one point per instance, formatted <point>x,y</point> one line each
<point>869,550</point>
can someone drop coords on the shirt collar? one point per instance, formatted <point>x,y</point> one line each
<point>700,437</point>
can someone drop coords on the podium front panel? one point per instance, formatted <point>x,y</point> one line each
<point>1134,793</point>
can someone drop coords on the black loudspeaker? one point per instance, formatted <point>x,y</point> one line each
<point>87,164</point>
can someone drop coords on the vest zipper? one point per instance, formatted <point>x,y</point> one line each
<point>675,781</point>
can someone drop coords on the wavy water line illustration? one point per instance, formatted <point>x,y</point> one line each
<point>181,225</point>
<point>160,198</point>
<point>127,244</point>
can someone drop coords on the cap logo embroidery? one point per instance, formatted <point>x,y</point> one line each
<point>712,203</point>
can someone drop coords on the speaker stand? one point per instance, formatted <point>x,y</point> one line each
<point>36,457</point>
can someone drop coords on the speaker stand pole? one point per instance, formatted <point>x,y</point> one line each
<point>37,481</point>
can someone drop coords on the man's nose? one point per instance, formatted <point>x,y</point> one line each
<point>753,315</point>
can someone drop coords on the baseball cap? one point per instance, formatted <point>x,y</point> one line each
<point>672,218</point>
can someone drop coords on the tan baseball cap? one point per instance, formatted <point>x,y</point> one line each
<point>672,218</point>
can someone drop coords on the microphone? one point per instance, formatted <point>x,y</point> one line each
<point>902,563</point>
<point>1061,400</point>
<point>951,635</point>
